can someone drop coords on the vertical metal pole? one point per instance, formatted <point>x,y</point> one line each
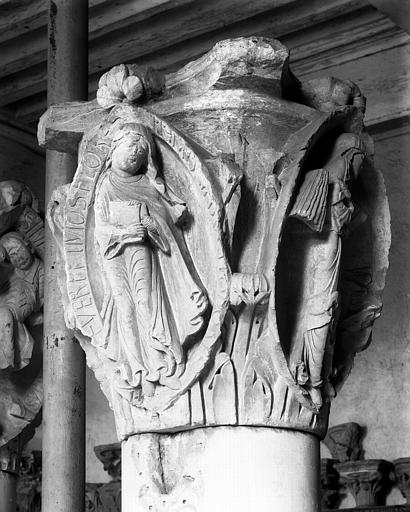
<point>64,362</point>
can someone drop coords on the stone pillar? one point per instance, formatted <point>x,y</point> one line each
<point>9,464</point>
<point>201,266</point>
<point>64,365</point>
<point>219,469</point>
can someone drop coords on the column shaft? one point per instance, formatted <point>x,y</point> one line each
<point>224,468</point>
<point>64,362</point>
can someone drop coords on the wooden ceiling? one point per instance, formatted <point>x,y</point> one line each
<point>167,33</point>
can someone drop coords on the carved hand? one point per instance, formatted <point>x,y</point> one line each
<point>137,229</point>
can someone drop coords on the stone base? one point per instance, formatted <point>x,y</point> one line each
<point>221,469</point>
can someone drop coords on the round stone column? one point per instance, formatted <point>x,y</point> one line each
<point>220,469</point>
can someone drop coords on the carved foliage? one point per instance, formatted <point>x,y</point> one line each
<point>200,300</point>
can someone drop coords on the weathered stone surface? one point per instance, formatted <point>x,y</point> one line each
<point>224,243</point>
<point>106,497</point>
<point>228,468</point>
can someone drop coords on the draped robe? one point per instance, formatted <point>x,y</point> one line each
<point>153,301</point>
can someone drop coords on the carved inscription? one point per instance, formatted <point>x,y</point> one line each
<point>204,260</point>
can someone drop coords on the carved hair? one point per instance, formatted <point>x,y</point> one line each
<point>13,235</point>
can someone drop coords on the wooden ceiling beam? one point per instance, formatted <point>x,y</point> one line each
<point>19,17</point>
<point>172,50</point>
<point>22,17</point>
<point>397,10</point>
<point>181,24</point>
<point>119,14</point>
<point>24,41</point>
<point>28,82</point>
<point>355,33</point>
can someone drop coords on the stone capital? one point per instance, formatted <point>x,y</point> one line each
<point>369,481</point>
<point>402,472</point>
<point>201,240</point>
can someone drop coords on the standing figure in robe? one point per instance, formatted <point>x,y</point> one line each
<point>21,296</point>
<point>153,300</point>
<point>324,204</point>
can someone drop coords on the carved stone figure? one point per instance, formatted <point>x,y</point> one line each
<point>14,198</point>
<point>344,441</point>
<point>99,497</point>
<point>324,204</point>
<point>218,252</point>
<point>152,302</point>
<point>106,497</point>
<point>21,302</point>
<point>21,296</point>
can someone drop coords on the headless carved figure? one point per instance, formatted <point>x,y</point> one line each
<point>324,204</point>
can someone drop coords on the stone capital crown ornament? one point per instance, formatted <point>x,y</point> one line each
<point>223,244</point>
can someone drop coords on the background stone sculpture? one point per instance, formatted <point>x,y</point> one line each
<point>289,264</point>
<point>344,442</point>
<point>21,301</point>
<point>99,497</point>
<point>29,483</point>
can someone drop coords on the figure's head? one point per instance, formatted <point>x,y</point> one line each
<point>18,250</point>
<point>130,149</point>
